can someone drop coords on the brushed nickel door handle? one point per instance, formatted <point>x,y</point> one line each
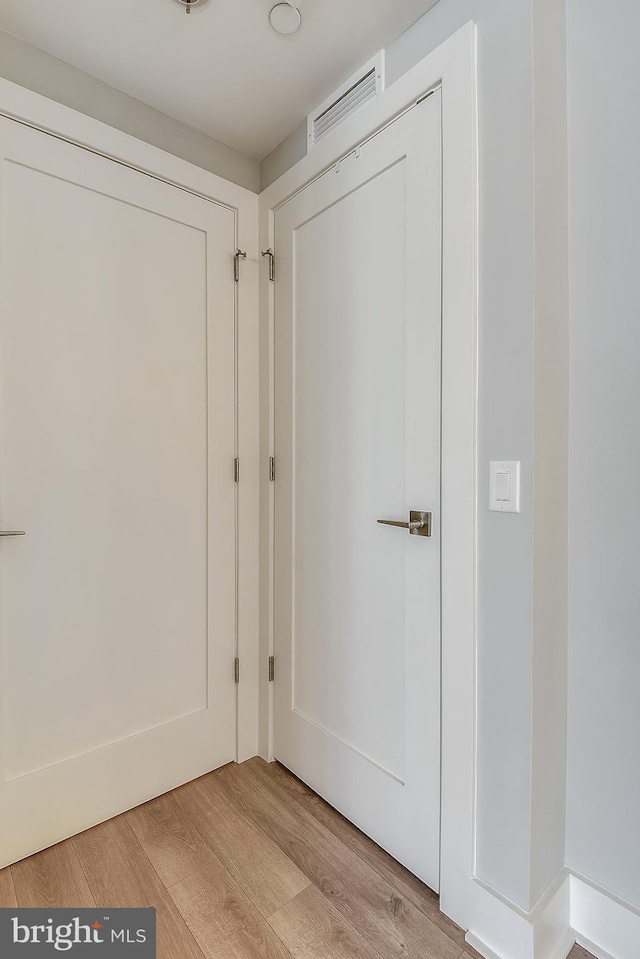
<point>419,523</point>
<point>14,532</point>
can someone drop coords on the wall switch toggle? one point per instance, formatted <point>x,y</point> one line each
<point>504,486</point>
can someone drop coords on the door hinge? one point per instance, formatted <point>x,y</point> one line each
<point>236,264</point>
<point>272,469</point>
<point>272,668</point>
<point>236,470</point>
<point>272,263</point>
<point>236,670</point>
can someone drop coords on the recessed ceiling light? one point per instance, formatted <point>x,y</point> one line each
<point>285,18</point>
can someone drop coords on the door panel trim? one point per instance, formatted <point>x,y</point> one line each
<point>343,742</point>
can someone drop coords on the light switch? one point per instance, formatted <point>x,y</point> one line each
<point>504,486</point>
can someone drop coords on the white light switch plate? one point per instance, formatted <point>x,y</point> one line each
<point>504,486</point>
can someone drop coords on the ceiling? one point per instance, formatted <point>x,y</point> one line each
<point>222,69</point>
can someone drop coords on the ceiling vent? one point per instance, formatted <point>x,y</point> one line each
<point>363,86</point>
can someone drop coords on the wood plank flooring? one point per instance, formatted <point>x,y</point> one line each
<point>245,863</point>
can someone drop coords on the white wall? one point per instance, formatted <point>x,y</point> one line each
<point>292,149</point>
<point>31,68</point>
<point>551,447</point>
<point>603,818</point>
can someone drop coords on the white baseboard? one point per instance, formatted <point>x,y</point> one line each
<point>593,949</point>
<point>480,947</point>
<point>564,947</point>
<point>605,926</point>
<point>561,950</point>
<point>573,910</point>
<point>506,932</point>
<point>552,934</point>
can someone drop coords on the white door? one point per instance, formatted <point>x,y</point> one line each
<point>116,458</point>
<point>357,439</point>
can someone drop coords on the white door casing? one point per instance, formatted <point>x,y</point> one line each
<point>117,438</point>
<point>357,438</point>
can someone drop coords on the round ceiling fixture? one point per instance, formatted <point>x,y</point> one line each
<point>284,18</point>
<point>188,4</point>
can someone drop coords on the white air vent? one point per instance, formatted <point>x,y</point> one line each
<point>366,84</point>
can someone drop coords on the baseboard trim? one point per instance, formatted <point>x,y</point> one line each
<point>541,903</point>
<point>561,951</point>
<point>601,923</point>
<point>577,911</point>
<point>593,949</point>
<point>480,946</point>
<point>552,934</point>
<point>504,933</point>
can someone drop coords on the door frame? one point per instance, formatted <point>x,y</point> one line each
<point>25,106</point>
<point>452,68</point>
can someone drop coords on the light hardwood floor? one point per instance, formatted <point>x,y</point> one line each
<point>245,863</point>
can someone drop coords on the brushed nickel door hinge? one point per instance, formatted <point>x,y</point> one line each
<point>272,263</point>
<point>272,668</point>
<point>236,670</point>
<point>272,469</point>
<point>236,264</point>
<point>236,469</point>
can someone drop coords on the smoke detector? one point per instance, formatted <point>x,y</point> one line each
<point>285,18</point>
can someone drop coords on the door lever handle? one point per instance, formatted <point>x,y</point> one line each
<point>419,523</point>
<point>14,532</point>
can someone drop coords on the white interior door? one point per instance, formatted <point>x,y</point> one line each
<point>357,433</point>
<point>117,608</point>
